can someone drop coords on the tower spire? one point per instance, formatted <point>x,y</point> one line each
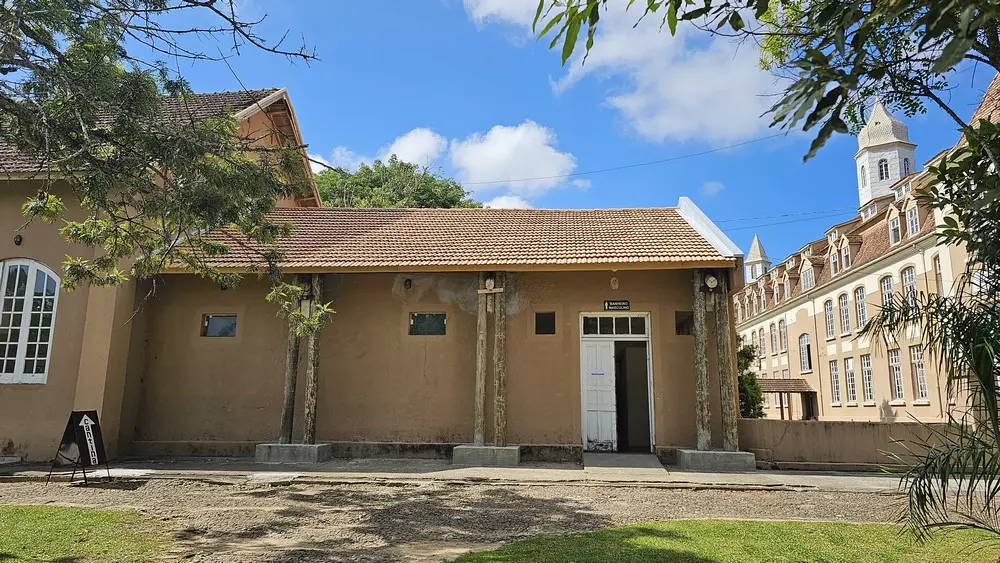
<point>756,261</point>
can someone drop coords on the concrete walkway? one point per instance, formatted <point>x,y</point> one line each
<point>618,470</point>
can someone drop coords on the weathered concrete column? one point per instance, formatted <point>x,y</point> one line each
<point>703,416</point>
<point>291,374</point>
<point>500,362</point>
<point>479,433</point>
<point>312,366</point>
<point>727,379</point>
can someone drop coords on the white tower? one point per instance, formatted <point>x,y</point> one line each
<point>756,262</point>
<point>885,154</point>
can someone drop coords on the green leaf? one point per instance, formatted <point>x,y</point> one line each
<point>572,31</point>
<point>736,21</point>
<point>672,17</point>
<point>551,23</point>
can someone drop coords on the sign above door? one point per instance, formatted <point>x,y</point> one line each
<point>617,305</point>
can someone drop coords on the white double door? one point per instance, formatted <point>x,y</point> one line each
<point>600,421</point>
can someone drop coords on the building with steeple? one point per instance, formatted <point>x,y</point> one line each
<point>756,262</point>
<point>804,314</point>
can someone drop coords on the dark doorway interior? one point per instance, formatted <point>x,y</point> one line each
<point>632,396</point>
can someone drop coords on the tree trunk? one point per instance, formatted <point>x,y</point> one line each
<point>479,434</point>
<point>500,363</point>
<point>703,416</point>
<point>727,381</point>
<point>291,373</point>
<point>312,366</point>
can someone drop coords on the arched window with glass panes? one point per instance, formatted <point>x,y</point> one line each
<point>30,296</point>
<point>883,169</point>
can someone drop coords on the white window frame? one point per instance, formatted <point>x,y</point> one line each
<point>19,377</point>
<point>834,383</point>
<point>919,375</point>
<point>860,306</point>
<point>852,383</point>
<point>896,376</point>
<point>864,177</point>
<point>774,338</point>
<point>887,290</point>
<point>883,169</point>
<point>867,379</point>
<point>762,344</point>
<point>906,167</point>
<point>831,324</point>
<point>895,233</point>
<point>783,335</point>
<point>908,278</point>
<point>912,221</point>
<point>938,279</point>
<point>844,303</point>
<point>834,262</point>
<point>845,261</point>
<point>805,353</point>
<point>808,279</point>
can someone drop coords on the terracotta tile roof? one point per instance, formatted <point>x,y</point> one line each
<point>393,239</point>
<point>175,109</point>
<point>989,108</point>
<point>785,386</point>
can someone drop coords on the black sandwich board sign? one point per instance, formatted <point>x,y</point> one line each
<point>82,445</point>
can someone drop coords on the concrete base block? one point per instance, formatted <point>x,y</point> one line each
<point>493,456</point>
<point>293,453</point>
<point>715,460</point>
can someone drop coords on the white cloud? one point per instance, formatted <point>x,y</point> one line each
<point>316,167</point>
<point>522,158</point>
<point>711,189</point>
<point>509,202</point>
<point>684,87</point>
<point>420,146</point>
<point>581,183</point>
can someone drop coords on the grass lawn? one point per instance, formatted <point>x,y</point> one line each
<point>54,533</point>
<point>724,541</point>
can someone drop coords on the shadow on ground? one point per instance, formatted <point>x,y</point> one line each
<point>348,523</point>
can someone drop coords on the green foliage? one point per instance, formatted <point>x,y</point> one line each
<point>393,183</point>
<point>736,541</point>
<point>81,91</point>
<point>751,397</point>
<point>834,54</point>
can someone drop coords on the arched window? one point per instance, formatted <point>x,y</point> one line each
<point>885,284</point>
<point>846,254</point>
<point>845,314</point>
<point>864,177</point>
<point>805,353</point>
<point>763,299</point>
<point>861,306</point>
<point>830,323</point>
<point>29,293</point>
<point>782,335</point>
<point>774,339</point>
<point>906,166</point>
<point>883,169</point>
<point>762,344</point>
<point>834,262</point>
<point>739,312</point>
<point>909,278</point>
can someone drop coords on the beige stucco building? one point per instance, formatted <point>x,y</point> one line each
<point>599,348</point>
<point>804,314</point>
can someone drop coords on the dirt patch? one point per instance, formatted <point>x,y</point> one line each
<point>236,520</point>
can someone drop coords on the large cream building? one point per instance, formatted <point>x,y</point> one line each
<point>804,314</point>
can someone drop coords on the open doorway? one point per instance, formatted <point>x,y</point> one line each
<point>632,396</point>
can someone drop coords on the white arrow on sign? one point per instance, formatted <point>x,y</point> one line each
<point>88,434</point>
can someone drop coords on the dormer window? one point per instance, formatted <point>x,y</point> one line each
<point>906,166</point>
<point>763,300</point>
<point>808,279</point>
<point>776,293</point>
<point>895,235</point>
<point>846,255</point>
<point>834,262</point>
<point>869,211</point>
<point>912,221</point>
<point>883,169</point>
<point>788,288</point>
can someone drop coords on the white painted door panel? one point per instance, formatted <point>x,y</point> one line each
<point>598,385</point>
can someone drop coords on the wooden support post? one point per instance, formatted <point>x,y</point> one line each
<point>781,405</point>
<point>291,374</point>
<point>703,416</point>
<point>312,367</point>
<point>479,434</point>
<point>500,363</point>
<point>727,378</point>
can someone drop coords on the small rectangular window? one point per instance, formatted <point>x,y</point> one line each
<point>606,325</point>
<point>590,325</point>
<point>545,323</point>
<point>427,324</point>
<point>684,323</point>
<point>638,325</point>
<point>218,326</point>
<point>621,325</point>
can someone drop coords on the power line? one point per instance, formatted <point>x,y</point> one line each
<point>818,211</point>
<point>626,166</point>
<point>784,222</point>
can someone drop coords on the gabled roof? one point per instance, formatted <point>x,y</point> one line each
<point>191,107</point>
<point>340,239</point>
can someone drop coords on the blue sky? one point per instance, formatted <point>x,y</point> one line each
<point>461,85</point>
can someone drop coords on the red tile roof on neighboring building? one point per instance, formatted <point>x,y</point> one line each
<point>174,109</point>
<point>785,386</point>
<point>393,239</point>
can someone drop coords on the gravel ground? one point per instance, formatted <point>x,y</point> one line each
<point>229,521</point>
